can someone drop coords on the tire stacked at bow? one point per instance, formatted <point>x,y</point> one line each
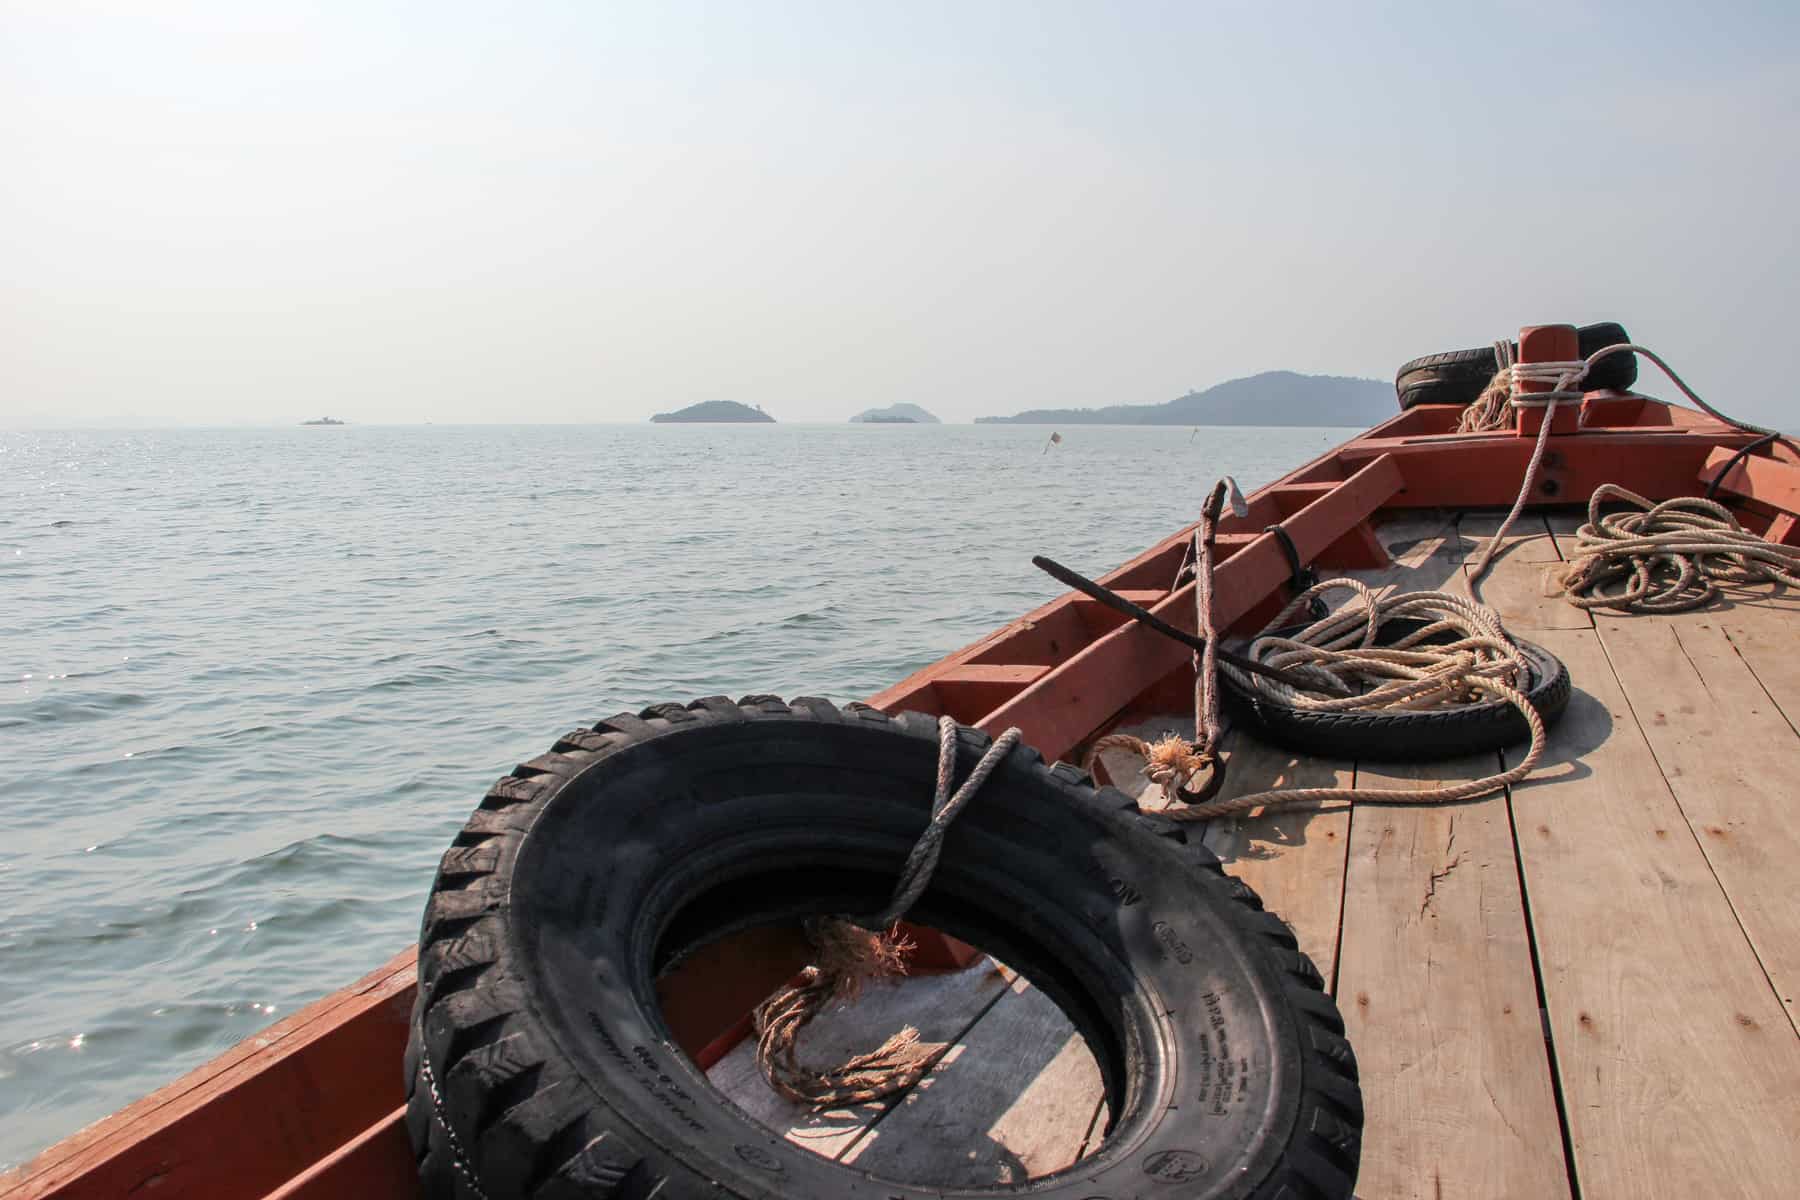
<point>1457,376</point>
<point>539,1066</point>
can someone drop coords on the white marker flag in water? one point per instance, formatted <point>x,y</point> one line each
<point>1055,440</point>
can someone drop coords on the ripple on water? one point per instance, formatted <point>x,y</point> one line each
<point>318,655</point>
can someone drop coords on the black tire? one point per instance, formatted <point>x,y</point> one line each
<point>1425,736</point>
<point>1457,376</point>
<point>630,845</point>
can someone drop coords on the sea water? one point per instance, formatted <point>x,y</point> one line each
<point>253,680</point>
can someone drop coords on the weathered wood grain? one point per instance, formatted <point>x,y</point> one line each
<point>940,1007</point>
<point>1435,983</point>
<point>1015,1099</point>
<point>1733,762</point>
<point>1679,1071</point>
<point>1292,857</point>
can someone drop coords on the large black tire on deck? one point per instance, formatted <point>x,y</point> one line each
<point>540,1067</point>
<point>1457,376</point>
<point>1427,735</point>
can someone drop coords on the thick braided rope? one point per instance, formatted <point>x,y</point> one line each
<point>1168,762</point>
<point>1172,763</point>
<point>1353,674</point>
<point>1486,413</point>
<point>1667,557</point>
<point>1563,377</point>
<point>1489,410</point>
<point>915,876</point>
<point>851,950</point>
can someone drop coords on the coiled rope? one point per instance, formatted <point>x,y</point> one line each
<point>1337,658</point>
<point>1350,673</point>
<point>852,950</point>
<point>1667,557</point>
<point>1490,410</point>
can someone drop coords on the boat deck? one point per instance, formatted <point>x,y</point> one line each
<point>1583,987</point>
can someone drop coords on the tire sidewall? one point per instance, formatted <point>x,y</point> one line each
<point>1225,1040</point>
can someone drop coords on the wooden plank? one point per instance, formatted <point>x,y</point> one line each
<point>1764,636</point>
<point>254,1117</point>
<point>1521,585</point>
<point>1016,674</point>
<point>940,1007</point>
<point>1060,710</point>
<point>1529,540</point>
<point>705,999</point>
<point>1679,1072</point>
<point>1292,857</point>
<point>1733,762</point>
<point>1450,1003</point>
<point>378,1162</point>
<point>1563,525</point>
<point>1415,541</point>
<point>1484,470</point>
<point>1013,1101</point>
<point>1437,990</point>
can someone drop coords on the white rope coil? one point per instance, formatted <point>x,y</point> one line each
<point>1338,654</point>
<point>1667,557</point>
<point>1486,412</point>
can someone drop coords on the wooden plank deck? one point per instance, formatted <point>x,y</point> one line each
<point>1586,986</point>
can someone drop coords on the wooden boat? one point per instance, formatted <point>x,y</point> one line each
<point>1584,986</point>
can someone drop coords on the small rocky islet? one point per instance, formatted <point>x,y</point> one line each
<point>715,412</point>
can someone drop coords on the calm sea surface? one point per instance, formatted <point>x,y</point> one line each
<point>252,681</point>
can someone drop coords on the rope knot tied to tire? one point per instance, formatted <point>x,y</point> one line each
<point>854,949</point>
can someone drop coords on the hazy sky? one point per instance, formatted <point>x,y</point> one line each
<point>257,212</point>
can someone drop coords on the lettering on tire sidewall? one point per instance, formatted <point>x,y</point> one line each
<point>1220,1068</point>
<point>757,1157</point>
<point>1175,1166</point>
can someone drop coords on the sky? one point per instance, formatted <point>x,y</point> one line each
<point>228,213</point>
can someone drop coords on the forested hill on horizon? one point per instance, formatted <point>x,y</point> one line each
<point>1271,398</point>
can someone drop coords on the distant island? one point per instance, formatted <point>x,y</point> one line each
<point>323,421</point>
<point>1271,398</point>
<point>729,411</point>
<point>895,414</point>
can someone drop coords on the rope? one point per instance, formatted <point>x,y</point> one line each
<point>1206,662</point>
<point>852,950</point>
<point>1341,669</point>
<point>1170,762</point>
<point>1489,410</point>
<point>922,862</point>
<point>1488,413</point>
<point>1667,557</point>
<point>1351,673</point>
<point>1562,376</point>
